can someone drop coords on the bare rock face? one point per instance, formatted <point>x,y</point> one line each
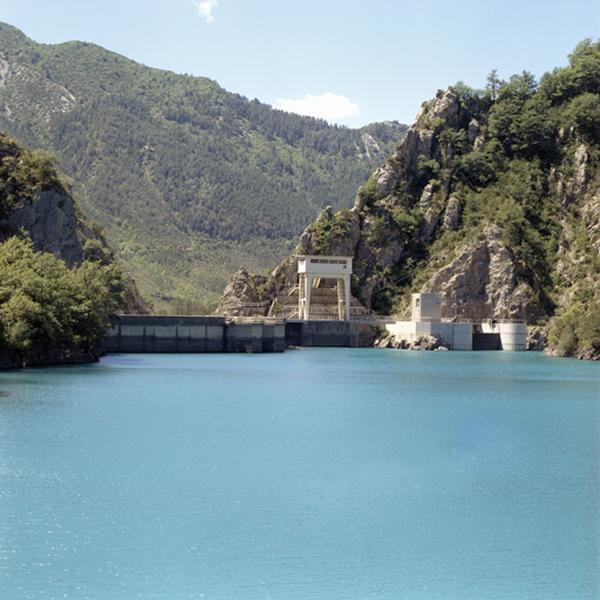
<point>445,105</point>
<point>537,340</point>
<point>452,214</point>
<point>575,186</point>
<point>52,224</point>
<point>592,353</point>
<point>445,109</point>
<point>473,131</point>
<point>591,215</point>
<point>17,81</point>
<point>483,282</point>
<point>426,197</point>
<point>579,174</point>
<point>244,294</point>
<point>430,222</point>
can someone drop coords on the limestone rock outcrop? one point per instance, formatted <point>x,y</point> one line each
<point>483,282</point>
<point>452,214</point>
<point>51,222</point>
<point>419,142</point>
<point>246,295</point>
<point>537,339</point>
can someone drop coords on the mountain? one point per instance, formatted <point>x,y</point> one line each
<point>59,281</point>
<point>186,179</point>
<point>492,198</point>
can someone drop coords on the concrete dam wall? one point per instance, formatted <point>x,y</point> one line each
<point>148,334</point>
<point>142,333</point>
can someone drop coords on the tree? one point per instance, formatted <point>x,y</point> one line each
<point>494,83</point>
<point>46,307</point>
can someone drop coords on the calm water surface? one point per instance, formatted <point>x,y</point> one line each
<point>314,474</point>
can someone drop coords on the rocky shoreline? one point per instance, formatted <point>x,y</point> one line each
<point>49,357</point>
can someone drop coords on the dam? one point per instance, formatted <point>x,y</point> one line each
<point>181,334</point>
<point>200,334</point>
<point>330,323</point>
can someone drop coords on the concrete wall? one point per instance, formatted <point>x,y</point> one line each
<point>142,333</point>
<point>513,336</point>
<point>460,336</point>
<point>322,333</point>
<point>255,337</point>
<point>426,307</point>
<point>457,336</point>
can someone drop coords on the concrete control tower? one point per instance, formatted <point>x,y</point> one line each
<point>313,268</point>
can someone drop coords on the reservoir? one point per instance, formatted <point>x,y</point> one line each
<point>350,474</point>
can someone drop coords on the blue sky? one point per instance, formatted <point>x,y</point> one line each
<point>351,61</point>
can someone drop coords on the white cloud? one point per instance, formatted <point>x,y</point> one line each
<point>332,107</point>
<point>206,9</point>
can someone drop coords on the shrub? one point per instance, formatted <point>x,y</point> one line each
<point>43,304</point>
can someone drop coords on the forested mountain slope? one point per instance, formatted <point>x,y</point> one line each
<point>187,179</point>
<point>493,198</point>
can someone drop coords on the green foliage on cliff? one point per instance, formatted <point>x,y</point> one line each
<point>183,176</point>
<point>330,229</point>
<point>576,330</point>
<point>48,310</point>
<point>23,173</point>
<point>522,156</point>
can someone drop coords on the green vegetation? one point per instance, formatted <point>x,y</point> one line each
<point>576,330</point>
<point>23,173</point>
<point>330,229</point>
<point>520,154</point>
<point>184,177</point>
<point>48,312</point>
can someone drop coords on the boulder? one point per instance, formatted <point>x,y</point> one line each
<point>427,342</point>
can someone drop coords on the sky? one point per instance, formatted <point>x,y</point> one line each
<point>349,61</point>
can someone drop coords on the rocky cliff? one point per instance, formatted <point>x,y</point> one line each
<point>492,198</point>
<point>36,202</point>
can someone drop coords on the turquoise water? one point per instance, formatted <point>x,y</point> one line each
<point>314,474</point>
